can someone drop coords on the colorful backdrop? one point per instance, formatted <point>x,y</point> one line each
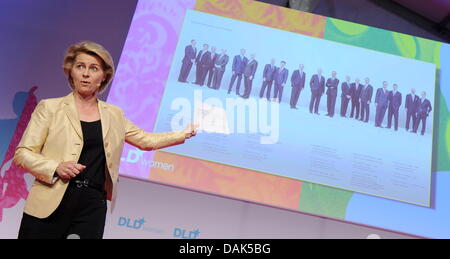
<point>148,45</point>
<point>273,190</point>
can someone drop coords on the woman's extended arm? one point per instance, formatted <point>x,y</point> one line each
<point>151,141</point>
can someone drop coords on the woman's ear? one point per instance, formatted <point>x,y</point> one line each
<point>71,81</point>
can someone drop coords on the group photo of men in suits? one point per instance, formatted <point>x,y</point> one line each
<point>356,97</point>
<point>209,65</point>
<point>387,102</point>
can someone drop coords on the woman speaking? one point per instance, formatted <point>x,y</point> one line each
<point>73,145</point>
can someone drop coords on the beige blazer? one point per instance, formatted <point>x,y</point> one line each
<point>54,135</point>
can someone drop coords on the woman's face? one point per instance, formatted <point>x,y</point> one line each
<point>87,74</point>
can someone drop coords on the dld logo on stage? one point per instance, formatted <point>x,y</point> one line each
<point>186,234</point>
<point>127,222</point>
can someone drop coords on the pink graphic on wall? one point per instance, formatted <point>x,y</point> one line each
<point>143,69</point>
<point>12,182</point>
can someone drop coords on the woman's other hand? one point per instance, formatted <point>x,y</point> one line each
<point>69,169</point>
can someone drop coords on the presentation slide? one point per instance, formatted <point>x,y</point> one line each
<point>244,129</point>
<point>296,111</point>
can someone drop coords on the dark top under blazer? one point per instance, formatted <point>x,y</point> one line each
<point>93,154</point>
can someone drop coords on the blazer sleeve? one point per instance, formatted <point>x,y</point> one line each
<point>150,141</point>
<point>28,152</point>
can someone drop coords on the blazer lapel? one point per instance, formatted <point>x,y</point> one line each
<point>104,116</point>
<point>72,114</point>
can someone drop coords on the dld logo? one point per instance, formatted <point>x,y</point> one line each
<point>186,234</point>
<point>127,222</point>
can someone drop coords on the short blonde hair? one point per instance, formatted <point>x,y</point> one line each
<point>94,49</point>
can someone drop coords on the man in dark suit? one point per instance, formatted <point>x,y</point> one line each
<point>210,66</point>
<point>317,84</point>
<point>355,90</point>
<point>202,61</point>
<point>365,100</point>
<point>219,69</point>
<point>189,58</point>
<point>239,63</point>
<point>280,78</point>
<point>268,76</point>
<point>395,101</point>
<point>411,104</point>
<point>332,87</point>
<point>381,103</point>
<point>249,75</point>
<point>423,110</point>
<point>345,96</point>
<point>298,83</point>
